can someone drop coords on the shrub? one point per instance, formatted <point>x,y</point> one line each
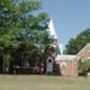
<point>83,66</point>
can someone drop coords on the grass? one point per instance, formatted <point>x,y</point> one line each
<point>33,82</point>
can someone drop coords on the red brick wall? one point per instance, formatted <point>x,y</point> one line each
<point>70,69</point>
<point>84,53</point>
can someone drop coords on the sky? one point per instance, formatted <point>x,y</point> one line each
<point>70,17</point>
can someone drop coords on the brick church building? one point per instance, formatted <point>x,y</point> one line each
<point>68,63</point>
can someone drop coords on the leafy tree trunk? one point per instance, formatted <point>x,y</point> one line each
<point>6,62</point>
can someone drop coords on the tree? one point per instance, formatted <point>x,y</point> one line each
<point>22,30</point>
<point>76,44</point>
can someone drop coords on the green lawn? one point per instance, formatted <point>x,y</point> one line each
<point>32,82</point>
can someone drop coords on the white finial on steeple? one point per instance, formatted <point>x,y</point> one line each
<point>61,48</point>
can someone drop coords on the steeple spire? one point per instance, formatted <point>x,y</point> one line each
<point>51,30</point>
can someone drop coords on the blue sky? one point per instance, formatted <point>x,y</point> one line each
<point>70,17</point>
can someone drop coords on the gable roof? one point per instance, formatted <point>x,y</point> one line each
<point>84,48</point>
<point>65,58</point>
<point>84,53</point>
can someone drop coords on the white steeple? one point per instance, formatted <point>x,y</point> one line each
<point>51,30</point>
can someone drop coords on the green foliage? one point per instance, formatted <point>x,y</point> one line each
<point>83,67</point>
<point>76,44</point>
<point>83,64</point>
<point>22,29</point>
<point>7,58</point>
